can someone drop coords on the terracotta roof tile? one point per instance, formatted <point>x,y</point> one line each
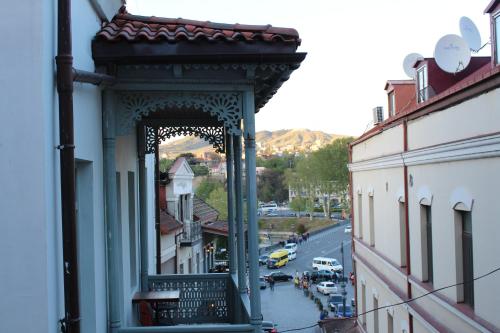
<point>134,28</point>
<point>203,211</point>
<point>168,223</point>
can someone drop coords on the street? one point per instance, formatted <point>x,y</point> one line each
<point>286,305</point>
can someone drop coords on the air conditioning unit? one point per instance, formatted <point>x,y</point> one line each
<point>378,115</point>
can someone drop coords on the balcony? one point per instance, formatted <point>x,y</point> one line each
<point>191,234</point>
<point>208,303</point>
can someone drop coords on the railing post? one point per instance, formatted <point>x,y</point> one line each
<point>240,231</point>
<point>230,204</point>
<point>112,223</point>
<point>141,139</point>
<point>251,189</point>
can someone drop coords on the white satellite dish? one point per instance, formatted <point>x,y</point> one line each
<point>452,53</point>
<point>470,33</point>
<point>408,63</point>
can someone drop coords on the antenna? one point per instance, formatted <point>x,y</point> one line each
<point>408,63</point>
<point>452,53</point>
<point>470,33</point>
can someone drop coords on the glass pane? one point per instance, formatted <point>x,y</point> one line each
<point>497,35</point>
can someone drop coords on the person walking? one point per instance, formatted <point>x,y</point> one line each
<point>271,283</point>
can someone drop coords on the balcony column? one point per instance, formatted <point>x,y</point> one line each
<point>230,204</point>
<point>111,216</point>
<point>251,190</point>
<point>141,139</point>
<point>240,231</point>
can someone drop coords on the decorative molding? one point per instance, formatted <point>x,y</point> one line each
<point>212,134</point>
<point>424,196</point>
<point>468,149</point>
<point>133,106</point>
<point>461,200</point>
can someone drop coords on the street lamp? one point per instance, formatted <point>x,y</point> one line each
<point>342,284</point>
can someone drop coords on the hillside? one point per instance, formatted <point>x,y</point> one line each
<point>267,142</point>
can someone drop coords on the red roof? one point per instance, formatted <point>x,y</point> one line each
<point>484,73</point>
<point>134,28</point>
<point>168,223</point>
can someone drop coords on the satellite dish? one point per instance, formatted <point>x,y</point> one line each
<point>408,63</point>
<point>469,32</point>
<point>452,53</point>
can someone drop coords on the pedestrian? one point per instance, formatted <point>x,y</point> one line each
<point>271,283</point>
<point>323,314</point>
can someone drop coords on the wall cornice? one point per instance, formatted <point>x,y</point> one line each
<point>468,149</point>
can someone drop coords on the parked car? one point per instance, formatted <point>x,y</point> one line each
<point>278,276</point>
<point>340,311</point>
<point>269,327</point>
<point>323,275</point>
<point>263,259</point>
<point>348,229</point>
<point>262,282</point>
<point>326,288</point>
<point>272,214</point>
<point>330,264</point>
<point>333,301</point>
<point>292,255</point>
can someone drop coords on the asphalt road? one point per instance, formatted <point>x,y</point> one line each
<point>286,305</point>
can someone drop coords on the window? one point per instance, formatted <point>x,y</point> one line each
<point>465,261</point>
<point>190,265</point>
<point>392,104</point>
<point>363,303</point>
<point>402,234</point>
<point>422,84</point>
<point>497,39</point>
<point>390,323</point>
<point>181,269</point>
<point>375,315</point>
<point>198,262</point>
<point>360,216</point>
<point>426,243</point>
<point>372,220</point>
<point>132,229</point>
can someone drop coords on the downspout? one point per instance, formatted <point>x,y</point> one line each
<point>407,221</point>
<point>64,61</point>
<point>353,247</point>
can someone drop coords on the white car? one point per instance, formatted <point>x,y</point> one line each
<point>326,288</point>
<point>348,229</point>
<point>292,255</point>
<point>291,247</point>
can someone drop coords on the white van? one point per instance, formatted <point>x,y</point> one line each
<point>330,264</point>
<point>292,250</point>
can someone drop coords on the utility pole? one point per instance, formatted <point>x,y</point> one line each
<point>342,284</point>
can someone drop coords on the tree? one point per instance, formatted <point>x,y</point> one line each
<point>218,200</point>
<point>199,170</point>
<point>207,186</point>
<point>271,186</point>
<point>298,204</point>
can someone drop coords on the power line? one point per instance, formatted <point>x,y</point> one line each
<point>407,301</point>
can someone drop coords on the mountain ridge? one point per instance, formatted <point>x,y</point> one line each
<point>267,142</point>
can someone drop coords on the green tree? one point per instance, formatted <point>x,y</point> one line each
<point>207,186</point>
<point>271,186</point>
<point>218,200</point>
<point>298,204</point>
<point>199,170</point>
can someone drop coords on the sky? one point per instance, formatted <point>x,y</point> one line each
<point>353,48</point>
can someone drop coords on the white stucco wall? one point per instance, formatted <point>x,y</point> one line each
<point>474,117</point>
<point>388,142</point>
<point>477,177</point>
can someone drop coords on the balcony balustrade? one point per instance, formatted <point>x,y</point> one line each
<point>207,303</point>
<point>191,234</point>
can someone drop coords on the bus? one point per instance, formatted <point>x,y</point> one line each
<point>277,259</point>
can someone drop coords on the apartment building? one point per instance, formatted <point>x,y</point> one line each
<point>425,217</point>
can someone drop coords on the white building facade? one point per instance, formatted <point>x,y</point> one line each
<point>425,220</point>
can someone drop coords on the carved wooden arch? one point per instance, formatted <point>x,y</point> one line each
<point>132,106</point>
<point>215,135</point>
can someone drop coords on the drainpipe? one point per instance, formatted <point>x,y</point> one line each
<point>157,204</point>
<point>64,61</point>
<point>407,221</point>
<point>353,247</point>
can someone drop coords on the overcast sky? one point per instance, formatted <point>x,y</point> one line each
<point>353,48</point>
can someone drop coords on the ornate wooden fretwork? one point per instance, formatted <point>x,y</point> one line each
<point>213,134</point>
<point>224,106</point>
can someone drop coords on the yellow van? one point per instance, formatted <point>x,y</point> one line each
<point>277,259</point>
